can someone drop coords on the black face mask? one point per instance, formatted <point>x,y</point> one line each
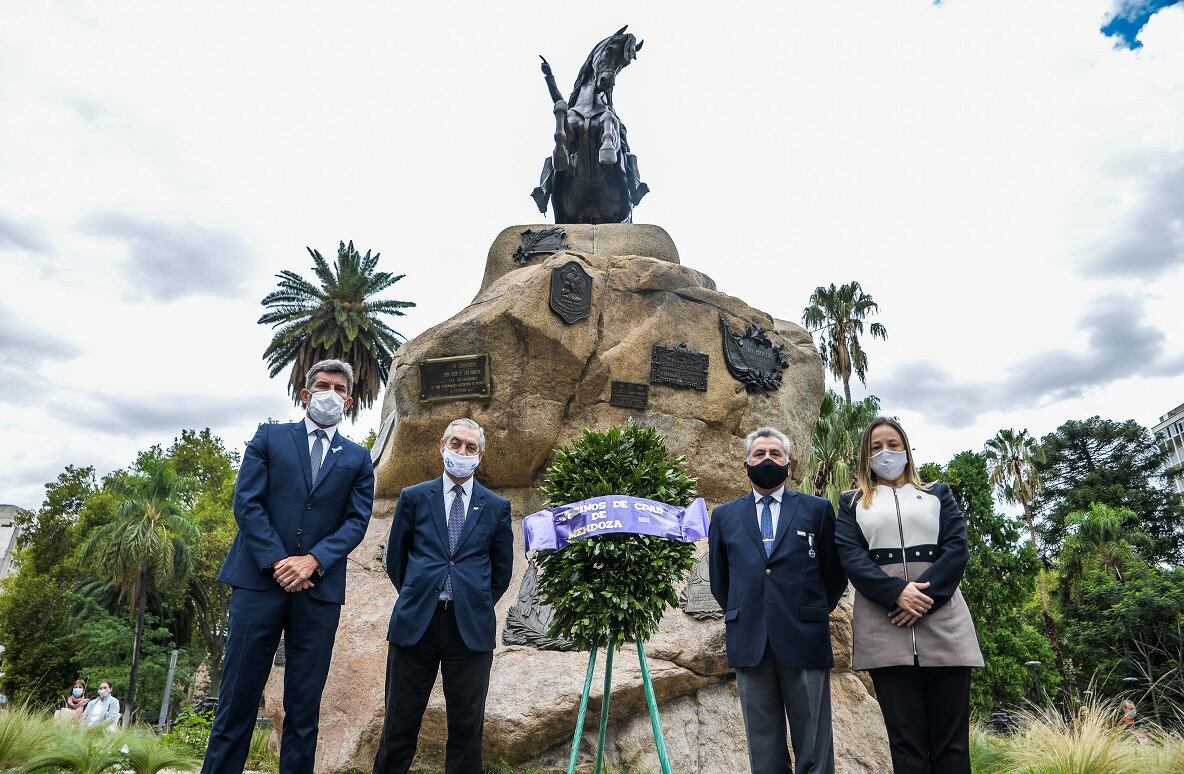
<point>768,474</point>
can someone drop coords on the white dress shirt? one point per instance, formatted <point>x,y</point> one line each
<point>449,495</point>
<point>311,428</point>
<point>774,507</point>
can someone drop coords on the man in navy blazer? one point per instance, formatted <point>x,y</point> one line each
<point>450,556</point>
<point>775,571</point>
<point>302,502</point>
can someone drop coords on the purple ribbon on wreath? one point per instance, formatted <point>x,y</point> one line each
<point>614,515</point>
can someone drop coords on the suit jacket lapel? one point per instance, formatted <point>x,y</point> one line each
<point>789,509</point>
<point>473,515</point>
<point>749,517</point>
<point>300,437</point>
<point>436,505</point>
<point>330,461</point>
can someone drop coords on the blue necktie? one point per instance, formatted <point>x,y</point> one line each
<point>456,521</point>
<point>767,524</point>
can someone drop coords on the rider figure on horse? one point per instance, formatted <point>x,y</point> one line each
<point>591,177</point>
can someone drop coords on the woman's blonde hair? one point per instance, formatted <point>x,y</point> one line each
<point>866,479</point>
<point>79,683</point>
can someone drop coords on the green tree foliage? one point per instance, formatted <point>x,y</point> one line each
<point>1114,463</point>
<point>1012,459</point>
<point>999,579</point>
<point>147,546</point>
<point>340,318</point>
<point>108,642</point>
<point>612,589</point>
<point>835,445</point>
<point>1122,615</point>
<point>837,314</point>
<point>35,617</point>
<point>44,606</point>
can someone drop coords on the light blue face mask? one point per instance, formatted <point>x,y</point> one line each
<point>77,693</point>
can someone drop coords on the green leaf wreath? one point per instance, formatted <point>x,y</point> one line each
<point>612,589</point>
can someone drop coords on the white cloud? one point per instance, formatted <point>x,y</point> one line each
<point>974,172</point>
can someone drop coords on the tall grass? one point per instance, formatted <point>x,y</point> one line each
<point>1096,743</point>
<point>22,735</point>
<point>260,757</point>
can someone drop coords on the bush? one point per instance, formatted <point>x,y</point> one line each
<point>612,589</point>
<point>190,735</point>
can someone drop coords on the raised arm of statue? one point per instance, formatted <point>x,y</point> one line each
<point>556,95</point>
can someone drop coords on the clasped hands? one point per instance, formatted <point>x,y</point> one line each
<point>293,572</point>
<point>911,605</point>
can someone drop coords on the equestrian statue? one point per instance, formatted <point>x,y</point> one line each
<point>591,177</point>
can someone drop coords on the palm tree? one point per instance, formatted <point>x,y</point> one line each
<point>148,545</point>
<point>1100,537</point>
<point>339,319</point>
<point>1012,461</point>
<point>839,314</point>
<point>835,445</point>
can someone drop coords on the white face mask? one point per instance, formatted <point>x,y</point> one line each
<point>459,465</point>
<point>888,465</point>
<point>326,408</point>
<point>104,693</point>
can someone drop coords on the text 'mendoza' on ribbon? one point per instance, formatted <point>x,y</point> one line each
<point>614,515</point>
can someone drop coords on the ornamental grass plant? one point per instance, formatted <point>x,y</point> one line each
<point>611,589</point>
<point>22,734</point>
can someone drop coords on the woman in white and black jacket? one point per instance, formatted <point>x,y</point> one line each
<point>903,545</point>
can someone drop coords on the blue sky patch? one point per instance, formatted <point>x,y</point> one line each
<point>1129,18</point>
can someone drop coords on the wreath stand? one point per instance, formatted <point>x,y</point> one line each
<point>650,700</point>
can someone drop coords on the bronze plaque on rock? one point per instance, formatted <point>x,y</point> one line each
<point>453,378</point>
<point>678,367</point>
<point>528,619</point>
<point>630,395</point>
<point>548,241</point>
<point>753,359</point>
<point>571,292</point>
<point>696,599</point>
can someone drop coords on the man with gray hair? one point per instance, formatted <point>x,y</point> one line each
<point>450,556</point>
<point>775,571</point>
<point>302,502</point>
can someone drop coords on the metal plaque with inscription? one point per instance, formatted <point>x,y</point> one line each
<point>546,241</point>
<point>678,367</point>
<point>696,599</point>
<point>571,292</point>
<point>453,378</point>
<point>630,395</point>
<point>527,621</point>
<point>752,358</point>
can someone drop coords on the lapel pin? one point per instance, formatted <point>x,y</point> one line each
<point>336,449</point>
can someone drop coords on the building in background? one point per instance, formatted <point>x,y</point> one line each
<point>9,532</point>
<point>1170,435</point>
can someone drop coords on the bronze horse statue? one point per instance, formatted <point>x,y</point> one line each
<point>591,177</point>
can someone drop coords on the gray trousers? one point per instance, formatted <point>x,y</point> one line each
<point>771,694</point>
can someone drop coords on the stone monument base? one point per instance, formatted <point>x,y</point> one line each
<point>555,344</point>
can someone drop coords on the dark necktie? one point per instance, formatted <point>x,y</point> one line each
<point>767,524</point>
<point>456,522</point>
<point>318,452</point>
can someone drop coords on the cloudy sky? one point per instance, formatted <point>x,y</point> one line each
<point>1006,179</point>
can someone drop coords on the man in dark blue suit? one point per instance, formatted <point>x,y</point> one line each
<point>302,502</point>
<point>775,571</point>
<point>450,556</point>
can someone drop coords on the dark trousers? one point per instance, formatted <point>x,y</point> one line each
<point>772,694</point>
<point>256,620</point>
<point>927,712</point>
<point>410,675</point>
